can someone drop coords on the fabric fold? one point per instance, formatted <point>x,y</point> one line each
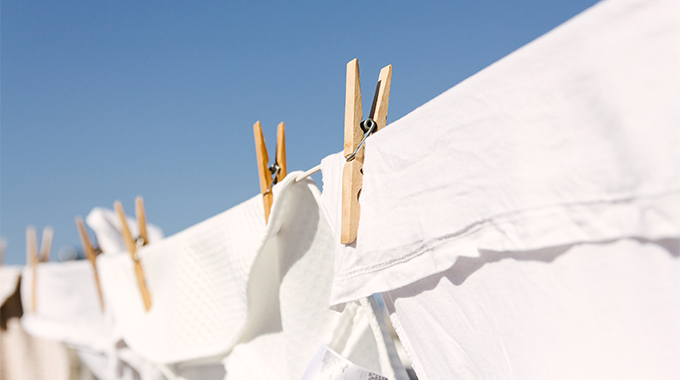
<point>587,311</point>
<point>289,288</point>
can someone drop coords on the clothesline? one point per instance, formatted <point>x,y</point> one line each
<point>308,173</point>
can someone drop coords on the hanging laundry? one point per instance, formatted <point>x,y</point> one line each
<point>289,288</point>
<point>22,356</point>
<point>571,138</point>
<point>68,311</point>
<point>227,284</point>
<point>197,279</point>
<point>568,145</point>
<point>592,311</point>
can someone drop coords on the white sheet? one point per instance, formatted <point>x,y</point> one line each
<point>572,138</point>
<point>588,311</point>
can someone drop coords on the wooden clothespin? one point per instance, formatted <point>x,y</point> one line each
<point>3,249</point>
<point>133,244</point>
<point>141,220</point>
<point>270,174</point>
<point>33,259</point>
<point>91,254</point>
<point>356,132</point>
<point>46,244</point>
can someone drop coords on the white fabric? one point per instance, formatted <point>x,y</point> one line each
<point>194,371</point>
<point>589,311</point>
<point>9,278</point>
<point>327,364</point>
<point>350,334</point>
<point>288,289</point>
<point>107,228</point>
<point>23,357</point>
<point>67,304</point>
<point>234,281</point>
<point>197,279</point>
<point>573,138</point>
<point>68,311</point>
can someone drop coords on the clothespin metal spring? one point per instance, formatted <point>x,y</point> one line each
<point>368,126</point>
<point>274,169</point>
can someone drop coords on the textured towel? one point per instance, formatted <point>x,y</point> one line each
<point>197,279</point>
<point>289,288</point>
<point>67,303</point>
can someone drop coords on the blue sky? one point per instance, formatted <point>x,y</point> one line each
<point>104,100</point>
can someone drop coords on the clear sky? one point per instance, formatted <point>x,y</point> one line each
<point>107,100</point>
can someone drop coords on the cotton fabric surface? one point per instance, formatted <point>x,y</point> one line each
<point>23,357</point>
<point>197,279</point>
<point>525,223</point>
<point>69,311</point>
<point>572,138</point>
<point>67,304</point>
<point>289,288</point>
<point>584,311</point>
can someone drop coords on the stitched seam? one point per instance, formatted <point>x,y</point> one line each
<point>476,226</point>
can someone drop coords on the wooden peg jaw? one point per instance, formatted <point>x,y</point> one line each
<point>141,219</point>
<point>130,245</point>
<point>353,110</point>
<point>31,245</point>
<point>352,176</point>
<point>91,256</point>
<point>263,170</point>
<point>141,283</point>
<point>281,152</point>
<point>88,248</point>
<point>32,260</point>
<point>263,164</point>
<point>3,249</point>
<point>132,249</point>
<point>46,244</point>
<point>381,99</point>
